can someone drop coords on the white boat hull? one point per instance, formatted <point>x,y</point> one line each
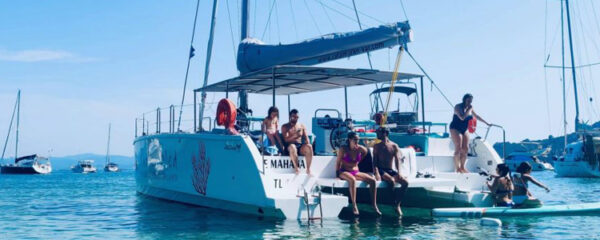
<point>223,172</point>
<point>574,165</point>
<point>83,170</point>
<point>575,169</point>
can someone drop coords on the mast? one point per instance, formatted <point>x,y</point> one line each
<point>573,66</point>
<point>10,126</point>
<point>108,146</point>
<point>244,34</point>
<point>208,56</point>
<point>17,134</point>
<point>564,94</point>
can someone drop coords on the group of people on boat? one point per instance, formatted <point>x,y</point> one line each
<point>295,140</point>
<point>386,155</point>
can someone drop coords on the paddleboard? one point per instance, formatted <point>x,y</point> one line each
<point>568,209</point>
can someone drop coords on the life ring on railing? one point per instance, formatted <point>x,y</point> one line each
<point>226,115</point>
<point>472,125</point>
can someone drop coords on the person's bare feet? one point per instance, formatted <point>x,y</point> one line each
<point>399,210</point>
<point>355,210</point>
<point>376,209</point>
<point>297,171</point>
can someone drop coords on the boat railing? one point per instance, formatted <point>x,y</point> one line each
<point>152,122</point>
<point>503,137</point>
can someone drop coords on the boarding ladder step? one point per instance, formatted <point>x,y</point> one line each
<point>310,200</point>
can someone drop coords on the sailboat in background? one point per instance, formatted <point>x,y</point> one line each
<point>30,164</point>
<point>110,166</point>
<point>581,158</point>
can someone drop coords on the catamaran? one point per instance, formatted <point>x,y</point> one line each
<point>224,166</point>
<point>31,164</point>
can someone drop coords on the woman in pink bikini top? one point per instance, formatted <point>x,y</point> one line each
<point>346,168</point>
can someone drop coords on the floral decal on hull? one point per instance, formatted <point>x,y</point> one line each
<point>201,165</point>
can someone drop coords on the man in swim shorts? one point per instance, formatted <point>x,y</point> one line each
<point>296,140</point>
<point>386,154</point>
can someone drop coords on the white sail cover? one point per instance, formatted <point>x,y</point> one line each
<point>253,55</point>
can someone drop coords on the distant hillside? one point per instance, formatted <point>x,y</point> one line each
<point>61,163</point>
<point>557,143</point>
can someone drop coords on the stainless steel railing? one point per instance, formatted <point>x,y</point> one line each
<point>155,118</point>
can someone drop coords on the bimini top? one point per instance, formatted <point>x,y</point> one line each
<point>292,79</point>
<point>25,158</point>
<point>407,90</point>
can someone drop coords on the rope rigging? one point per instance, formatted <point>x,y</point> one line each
<point>545,69</point>
<point>366,15</point>
<point>231,30</point>
<point>312,17</point>
<point>294,19</point>
<point>268,20</point>
<point>327,15</point>
<point>429,78</point>
<point>187,70</point>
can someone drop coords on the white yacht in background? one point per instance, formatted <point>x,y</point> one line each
<point>31,164</point>
<point>109,166</point>
<point>581,158</point>
<point>532,155</point>
<point>84,166</point>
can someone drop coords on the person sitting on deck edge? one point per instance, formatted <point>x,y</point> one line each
<point>346,167</point>
<point>386,155</point>
<point>296,139</point>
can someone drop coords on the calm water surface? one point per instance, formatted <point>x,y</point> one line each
<point>64,205</point>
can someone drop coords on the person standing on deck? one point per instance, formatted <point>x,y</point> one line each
<point>463,113</point>
<point>386,155</point>
<point>296,139</point>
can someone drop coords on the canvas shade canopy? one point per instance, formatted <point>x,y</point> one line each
<point>293,79</point>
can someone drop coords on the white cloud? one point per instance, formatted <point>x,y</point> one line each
<point>41,56</point>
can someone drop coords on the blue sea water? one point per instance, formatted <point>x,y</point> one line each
<point>64,205</point>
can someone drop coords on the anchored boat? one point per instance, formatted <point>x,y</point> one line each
<point>532,156</point>
<point>110,166</point>
<point>580,158</point>
<point>31,164</point>
<point>226,166</point>
<point>84,166</point>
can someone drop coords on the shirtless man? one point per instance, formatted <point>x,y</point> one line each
<point>386,154</point>
<point>296,138</point>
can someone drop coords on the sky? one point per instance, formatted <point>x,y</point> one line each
<point>84,64</point>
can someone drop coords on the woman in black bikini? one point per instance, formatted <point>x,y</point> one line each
<point>346,167</point>
<point>502,187</point>
<point>463,112</point>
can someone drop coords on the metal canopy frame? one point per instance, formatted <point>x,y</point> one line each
<point>293,79</point>
<point>296,79</point>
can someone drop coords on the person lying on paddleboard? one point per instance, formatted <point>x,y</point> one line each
<point>346,167</point>
<point>386,155</point>
<point>521,195</point>
<point>463,113</point>
<point>502,187</point>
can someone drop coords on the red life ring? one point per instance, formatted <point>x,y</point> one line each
<point>226,115</point>
<point>472,125</point>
